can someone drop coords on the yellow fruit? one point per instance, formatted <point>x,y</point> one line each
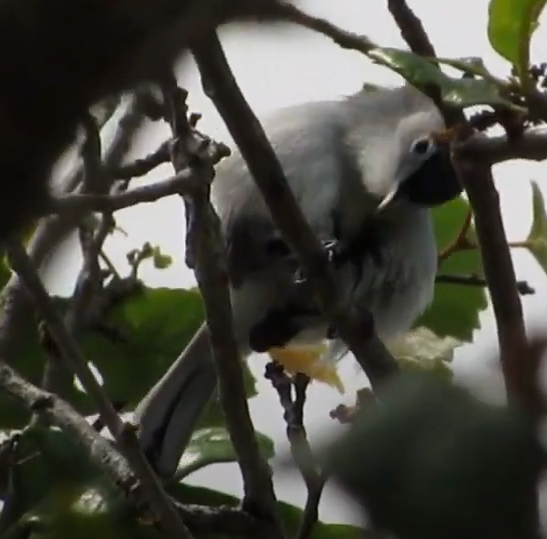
<point>307,360</point>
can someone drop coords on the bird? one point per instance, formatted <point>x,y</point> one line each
<point>365,170</point>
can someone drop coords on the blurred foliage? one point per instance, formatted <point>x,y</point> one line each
<point>459,467</point>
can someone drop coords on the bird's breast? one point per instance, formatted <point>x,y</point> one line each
<point>398,285</point>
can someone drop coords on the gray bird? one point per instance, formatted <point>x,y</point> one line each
<point>365,170</point>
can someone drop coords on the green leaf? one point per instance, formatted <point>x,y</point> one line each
<point>52,470</point>
<point>152,327</point>
<point>73,523</point>
<point>536,241</point>
<point>155,325</point>
<point>455,309</point>
<point>29,362</point>
<point>113,518</point>
<point>105,512</point>
<point>161,261</point>
<point>66,494</point>
<point>290,514</point>
<point>472,65</point>
<point>95,513</point>
<point>213,415</point>
<point>420,71</point>
<point>511,24</point>
<point>101,510</point>
<point>213,445</point>
<point>5,272</point>
<point>420,349</point>
<point>147,251</point>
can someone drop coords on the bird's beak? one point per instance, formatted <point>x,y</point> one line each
<point>389,197</point>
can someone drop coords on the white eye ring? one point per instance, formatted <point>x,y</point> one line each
<point>421,147</point>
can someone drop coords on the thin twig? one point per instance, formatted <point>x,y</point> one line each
<point>473,280</point>
<point>178,184</point>
<point>56,376</point>
<point>88,282</point>
<point>343,38</point>
<point>461,241</point>
<point>93,178</point>
<point>293,413</point>
<point>411,28</point>
<point>205,240</point>
<point>141,167</point>
<point>16,306</point>
<point>129,125</point>
<point>355,326</point>
<point>157,498</point>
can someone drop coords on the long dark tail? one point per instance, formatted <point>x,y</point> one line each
<point>168,414</point>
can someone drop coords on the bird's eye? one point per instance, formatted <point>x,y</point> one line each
<point>421,146</point>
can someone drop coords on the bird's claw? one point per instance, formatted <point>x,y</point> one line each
<point>333,249</point>
<point>299,276</point>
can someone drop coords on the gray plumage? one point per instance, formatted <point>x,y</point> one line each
<point>341,159</point>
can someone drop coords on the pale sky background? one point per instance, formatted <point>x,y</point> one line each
<point>288,65</point>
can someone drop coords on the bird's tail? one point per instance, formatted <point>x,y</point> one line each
<point>168,414</point>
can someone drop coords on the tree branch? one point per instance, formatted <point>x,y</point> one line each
<point>40,44</point>
<point>141,167</point>
<point>498,269</point>
<point>200,519</point>
<point>56,376</point>
<point>473,280</point>
<point>204,240</point>
<point>89,281</point>
<point>71,354</point>
<point>476,178</point>
<point>354,325</point>
<point>411,28</point>
<point>300,448</point>
<point>531,145</point>
<point>16,306</point>
<point>181,183</point>
<point>343,38</point>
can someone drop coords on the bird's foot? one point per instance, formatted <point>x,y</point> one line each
<point>335,250</point>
